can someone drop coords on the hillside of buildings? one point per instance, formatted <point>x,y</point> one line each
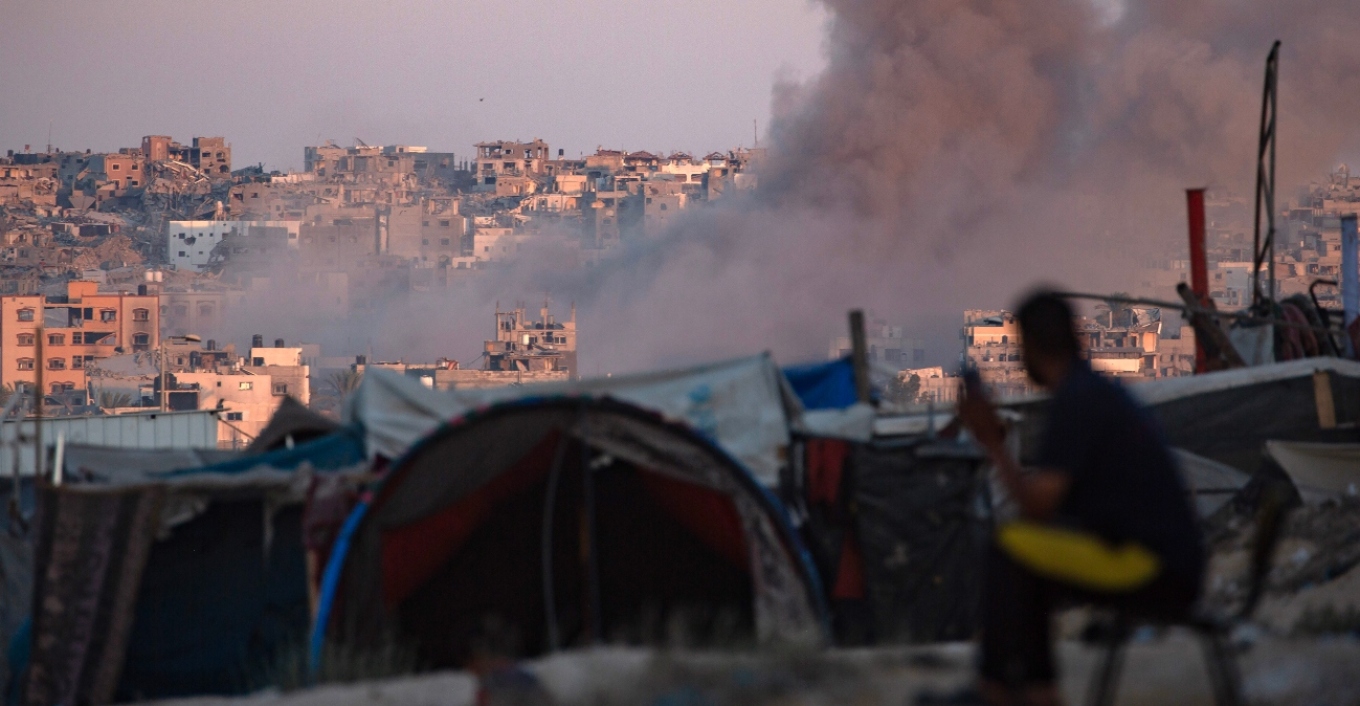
<point>118,257</point>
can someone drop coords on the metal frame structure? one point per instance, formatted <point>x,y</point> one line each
<point>1264,247</point>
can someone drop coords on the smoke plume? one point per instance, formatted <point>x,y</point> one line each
<point>953,153</point>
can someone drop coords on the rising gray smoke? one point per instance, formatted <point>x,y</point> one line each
<point>953,153</point>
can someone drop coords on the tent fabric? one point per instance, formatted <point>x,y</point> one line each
<point>16,566</point>
<point>91,547</point>
<point>1320,471</point>
<point>1213,484</point>
<point>87,463</point>
<point>469,473</point>
<point>292,420</point>
<point>922,538</point>
<point>744,406</point>
<point>1154,392</point>
<point>224,555</point>
<point>824,385</point>
<point>223,602</point>
<point>1228,416</point>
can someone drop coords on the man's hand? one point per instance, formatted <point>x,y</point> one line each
<point>980,418</point>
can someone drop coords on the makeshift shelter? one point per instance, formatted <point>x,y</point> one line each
<point>1228,416</point>
<point>202,582</point>
<point>897,527</point>
<point>550,522</point>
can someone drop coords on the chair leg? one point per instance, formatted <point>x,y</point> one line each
<point>1101,692</point>
<point>1222,667</point>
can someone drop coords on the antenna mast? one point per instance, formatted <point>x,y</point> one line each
<point>1264,247</point>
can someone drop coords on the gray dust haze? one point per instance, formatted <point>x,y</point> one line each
<point>952,154</point>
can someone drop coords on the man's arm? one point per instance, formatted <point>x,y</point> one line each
<point>1038,492</point>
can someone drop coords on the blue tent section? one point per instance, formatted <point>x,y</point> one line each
<point>824,385</point>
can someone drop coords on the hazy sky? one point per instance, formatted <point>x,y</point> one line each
<point>275,75</point>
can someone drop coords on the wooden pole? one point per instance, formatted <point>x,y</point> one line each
<point>859,356</point>
<point>38,396</point>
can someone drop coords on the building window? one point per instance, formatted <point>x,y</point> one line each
<point>205,309</point>
<point>280,388</point>
<point>444,241</point>
<point>141,339</point>
<point>26,339</point>
<point>77,362</point>
<point>141,314</point>
<point>444,224</point>
<point>108,315</point>
<point>56,339</point>
<point>245,386</point>
<point>25,363</point>
<point>25,314</point>
<point>56,363</point>
<point>77,339</point>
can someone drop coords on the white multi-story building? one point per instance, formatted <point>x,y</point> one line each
<point>190,244</point>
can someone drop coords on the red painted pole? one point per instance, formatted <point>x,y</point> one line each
<point>1199,263</point>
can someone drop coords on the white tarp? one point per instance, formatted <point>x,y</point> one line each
<point>1158,391</point>
<point>1320,471</point>
<point>1212,483</point>
<point>743,405</point>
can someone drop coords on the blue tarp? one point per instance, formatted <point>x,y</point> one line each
<point>333,452</point>
<point>824,385</point>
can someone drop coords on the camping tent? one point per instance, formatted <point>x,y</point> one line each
<point>560,521</point>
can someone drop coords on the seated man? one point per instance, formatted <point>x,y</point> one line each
<point>1103,470</point>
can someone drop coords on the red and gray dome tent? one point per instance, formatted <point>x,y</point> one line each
<point>543,523</point>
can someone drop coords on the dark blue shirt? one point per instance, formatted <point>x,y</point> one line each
<point>1125,485</point>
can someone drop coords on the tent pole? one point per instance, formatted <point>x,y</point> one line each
<point>592,546</point>
<point>549,597</point>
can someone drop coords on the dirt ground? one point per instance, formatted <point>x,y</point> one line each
<point>1302,649</point>
<point>1164,670</point>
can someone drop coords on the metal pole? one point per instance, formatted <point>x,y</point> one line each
<point>1199,263</point>
<point>1264,247</point>
<point>165,400</point>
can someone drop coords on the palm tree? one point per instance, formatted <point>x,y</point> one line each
<point>109,399</point>
<point>343,382</point>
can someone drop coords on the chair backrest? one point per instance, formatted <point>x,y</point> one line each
<point>1269,522</point>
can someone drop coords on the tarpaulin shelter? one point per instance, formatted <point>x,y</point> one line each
<point>897,526</point>
<point>1320,472</point>
<point>200,581</point>
<point>828,385</point>
<point>1228,416</point>
<point>744,406</point>
<point>561,521</point>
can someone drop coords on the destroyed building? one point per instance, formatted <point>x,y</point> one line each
<point>524,345</point>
